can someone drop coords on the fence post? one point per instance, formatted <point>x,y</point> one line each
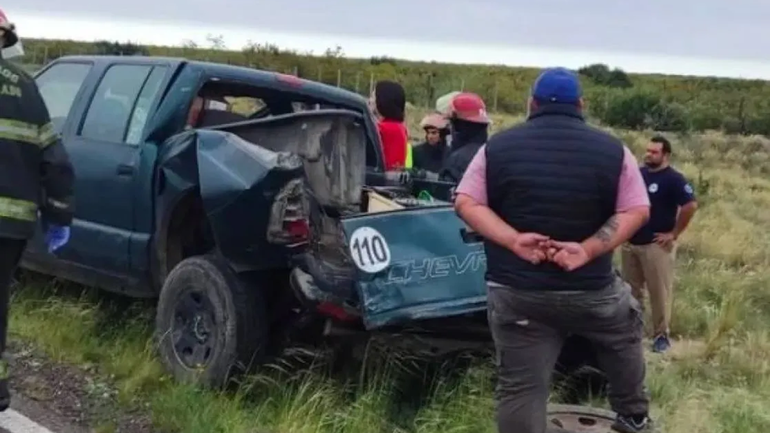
<point>339,77</point>
<point>494,104</point>
<point>371,82</point>
<point>431,91</point>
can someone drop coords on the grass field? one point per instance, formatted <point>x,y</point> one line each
<point>716,378</point>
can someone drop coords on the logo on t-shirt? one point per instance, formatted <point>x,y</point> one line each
<point>687,188</point>
<point>653,188</point>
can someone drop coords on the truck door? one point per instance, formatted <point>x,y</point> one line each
<point>105,148</point>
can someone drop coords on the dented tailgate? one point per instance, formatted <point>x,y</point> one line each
<point>416,263</point>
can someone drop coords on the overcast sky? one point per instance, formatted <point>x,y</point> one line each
<point>726,35</point>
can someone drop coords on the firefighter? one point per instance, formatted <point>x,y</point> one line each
<point>36,177</point>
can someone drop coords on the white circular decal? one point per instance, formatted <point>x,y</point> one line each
<point>653,188</point>
<point>369,250</point>
<point>688,189</point>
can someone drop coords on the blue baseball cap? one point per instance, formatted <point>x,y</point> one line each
<point>559,85</point>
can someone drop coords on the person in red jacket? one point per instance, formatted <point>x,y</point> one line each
<point>388,102</point>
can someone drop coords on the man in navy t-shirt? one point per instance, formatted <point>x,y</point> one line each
<point>648,257</point>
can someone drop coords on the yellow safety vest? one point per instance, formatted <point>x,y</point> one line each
<point>408,162</point>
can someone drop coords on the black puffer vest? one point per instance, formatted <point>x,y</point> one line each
<point>557,176</point>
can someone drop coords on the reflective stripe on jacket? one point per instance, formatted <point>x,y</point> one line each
<point>15,130</point>
<point>408,162</point>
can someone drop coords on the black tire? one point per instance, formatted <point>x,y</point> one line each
<point>228,309</point>
<point>571,418</point>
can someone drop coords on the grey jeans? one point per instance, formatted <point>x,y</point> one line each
<point>529,329</point>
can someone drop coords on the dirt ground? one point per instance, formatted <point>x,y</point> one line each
<point>67,399</point>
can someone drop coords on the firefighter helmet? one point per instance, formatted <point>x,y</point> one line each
<point>9,31</point>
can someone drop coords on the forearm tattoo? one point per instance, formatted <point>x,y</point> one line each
<point>607,231</point>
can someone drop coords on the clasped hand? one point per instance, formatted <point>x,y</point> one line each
<point>536,248</point>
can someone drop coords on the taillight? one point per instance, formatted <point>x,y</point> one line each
<point>288,217</point>
<point>297,229</point>
<point>335,311</point>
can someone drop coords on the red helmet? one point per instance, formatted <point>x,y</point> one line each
<point>469,107</point>
<point>9,31</point>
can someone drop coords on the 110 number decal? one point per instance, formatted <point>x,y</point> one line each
<point>369,250</point>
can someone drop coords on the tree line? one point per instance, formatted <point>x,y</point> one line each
<point>613,97</point>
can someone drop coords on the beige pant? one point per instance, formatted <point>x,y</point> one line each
<point>651,266</point>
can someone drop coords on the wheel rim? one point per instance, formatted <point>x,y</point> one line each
<point>194,339</point>
<point>581,422</point>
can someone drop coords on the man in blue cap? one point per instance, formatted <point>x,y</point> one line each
<point>553,197</point>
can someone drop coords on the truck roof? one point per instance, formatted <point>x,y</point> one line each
<point>237,72</point>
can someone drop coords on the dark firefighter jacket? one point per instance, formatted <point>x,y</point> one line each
<point>35,171</point>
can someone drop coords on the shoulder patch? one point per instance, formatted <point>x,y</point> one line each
<point>13,73</point>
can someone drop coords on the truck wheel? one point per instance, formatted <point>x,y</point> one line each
<point>570,418</point>
<point>211,324</point>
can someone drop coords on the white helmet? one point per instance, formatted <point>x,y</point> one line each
<point>434,120</point>
<point>11,44</point>
<point>444,103</point>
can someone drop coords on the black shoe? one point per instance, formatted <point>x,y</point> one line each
<point>627,424</point>
<point>5,395</point>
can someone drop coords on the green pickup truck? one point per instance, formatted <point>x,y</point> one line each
<point>255,207</point>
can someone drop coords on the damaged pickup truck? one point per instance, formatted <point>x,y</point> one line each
<point>255,207</point>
